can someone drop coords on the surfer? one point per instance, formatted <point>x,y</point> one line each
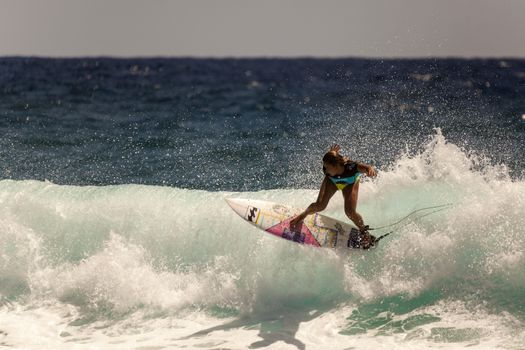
<point>342,174</point>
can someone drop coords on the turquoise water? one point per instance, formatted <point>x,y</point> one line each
<point>137,266</point>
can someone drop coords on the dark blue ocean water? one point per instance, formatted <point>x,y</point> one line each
<point>246,124</point>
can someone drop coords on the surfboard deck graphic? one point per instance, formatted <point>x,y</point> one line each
<point>317,230</point>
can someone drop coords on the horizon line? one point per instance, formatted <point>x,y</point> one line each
<point>264,57</point>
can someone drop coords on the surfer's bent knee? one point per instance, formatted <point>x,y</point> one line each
<point>319,206</point>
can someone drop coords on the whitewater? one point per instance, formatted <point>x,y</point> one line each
<point>151,267</point>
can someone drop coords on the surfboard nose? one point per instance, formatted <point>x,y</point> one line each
<point>232,201</point>
<point>237,204</point>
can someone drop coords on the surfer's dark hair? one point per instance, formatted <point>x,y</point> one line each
<point>334,158</point>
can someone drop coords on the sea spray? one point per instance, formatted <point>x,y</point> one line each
<point>114,252</point>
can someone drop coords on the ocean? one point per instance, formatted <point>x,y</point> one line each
<point>114,232</point>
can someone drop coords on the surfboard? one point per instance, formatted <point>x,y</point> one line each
<point>316,230</point>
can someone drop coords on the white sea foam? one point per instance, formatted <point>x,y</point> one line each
<point>107,267</point>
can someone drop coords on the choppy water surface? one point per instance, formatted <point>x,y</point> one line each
<point>115,233</point>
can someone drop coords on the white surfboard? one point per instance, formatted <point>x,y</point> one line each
<point>317,230</point>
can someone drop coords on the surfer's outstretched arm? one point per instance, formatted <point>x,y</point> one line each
<point>325,193</point>
<point>366,169</point>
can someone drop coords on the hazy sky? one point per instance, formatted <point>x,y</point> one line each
<point>365,28</point>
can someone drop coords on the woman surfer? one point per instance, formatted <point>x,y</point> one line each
<point>342,174</point>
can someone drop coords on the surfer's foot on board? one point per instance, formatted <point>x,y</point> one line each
<point>367,240</point>
<point>295,223</point>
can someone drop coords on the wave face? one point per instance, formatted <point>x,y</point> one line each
<point>111,261</point>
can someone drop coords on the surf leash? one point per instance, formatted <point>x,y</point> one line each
<point>438,208</point>
<point>442,207</point>
<point>382,236</point>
